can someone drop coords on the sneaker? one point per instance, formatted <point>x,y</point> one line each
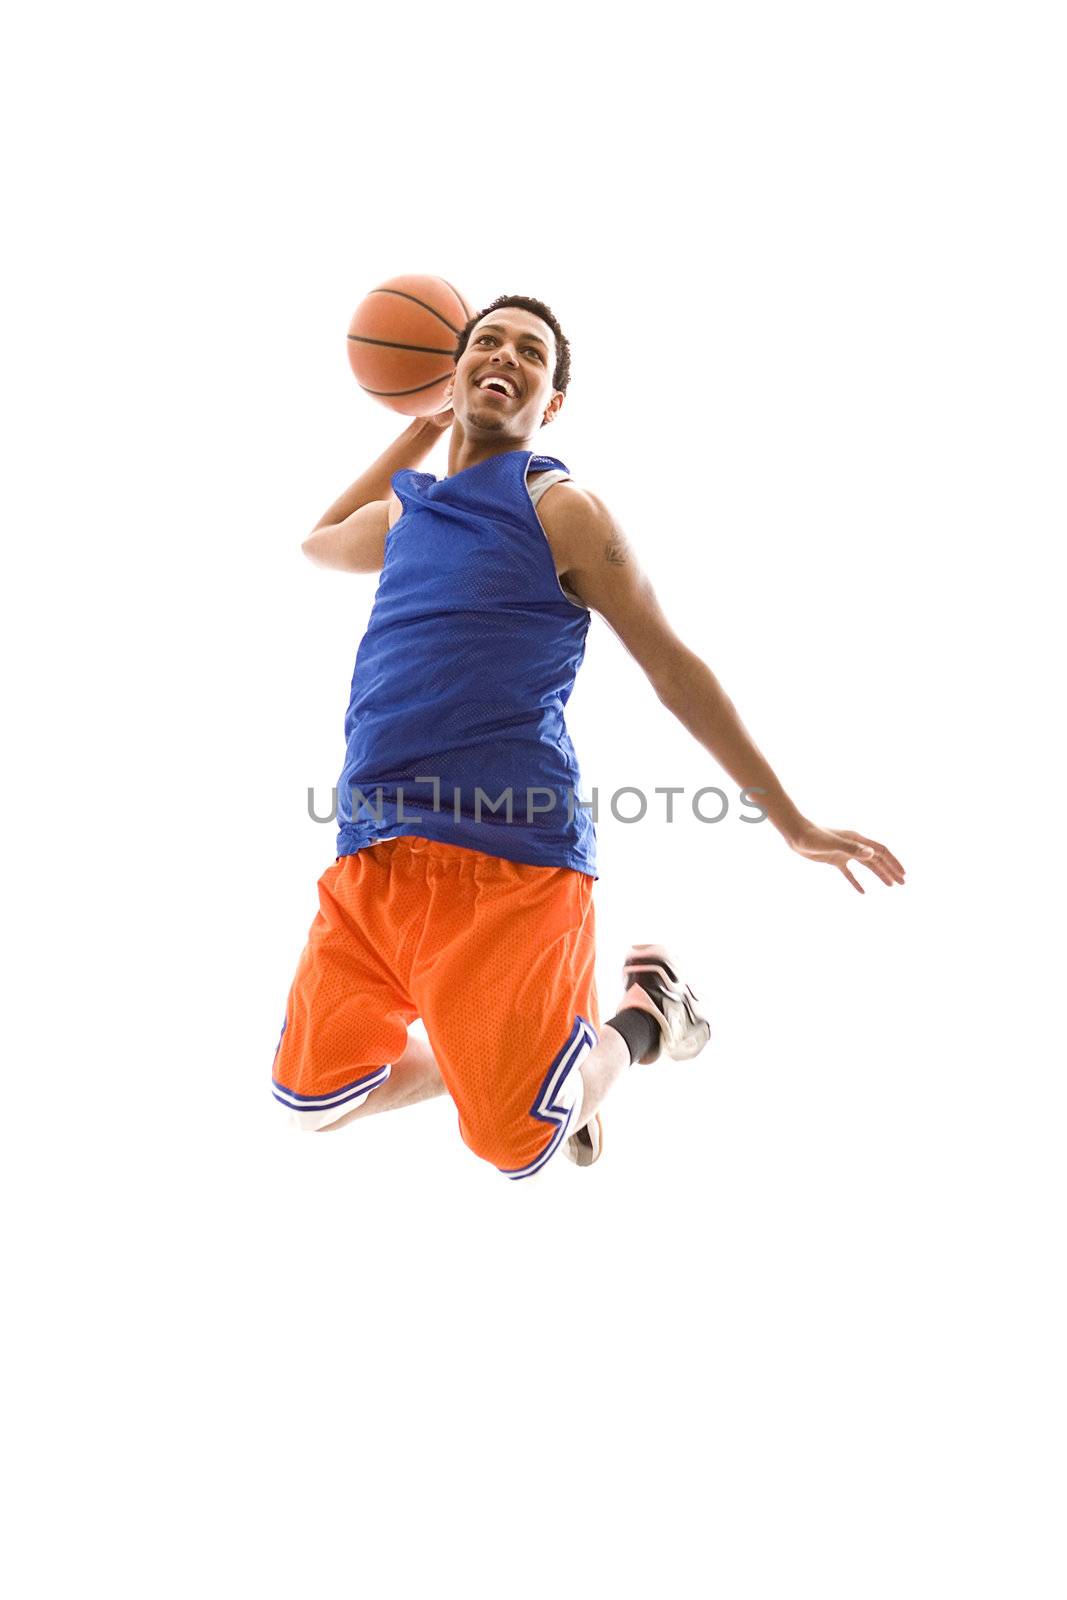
<point>653,984</point>
<point>584,1147</point>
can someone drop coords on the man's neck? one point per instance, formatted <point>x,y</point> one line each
<point>464,452</point>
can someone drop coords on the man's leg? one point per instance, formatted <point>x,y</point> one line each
<point>658,1011</point>
<point>415,1076</point>
<point>605,1063</point>
<point>348,1012</point>
<point>624,1040</point>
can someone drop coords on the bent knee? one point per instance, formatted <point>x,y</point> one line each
<point>517,1151</point>
<point>315,1113</point>
<point>520,1145</point>
<point>316,1121</point>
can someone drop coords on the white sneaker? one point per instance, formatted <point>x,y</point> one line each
<point>654,986</point>
<point>584,1147</point>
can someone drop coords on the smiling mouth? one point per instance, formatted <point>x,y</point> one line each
<point>502,392</point>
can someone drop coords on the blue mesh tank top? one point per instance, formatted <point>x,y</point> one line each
<point>455,728</point>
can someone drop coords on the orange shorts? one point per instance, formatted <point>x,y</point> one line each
<point>496,957</point>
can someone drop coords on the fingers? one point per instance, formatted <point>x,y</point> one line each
<point>880,871</point>
<point>884,853</point>
<point>881,860</point>
<point>838,846</point>
<point>886,865</point>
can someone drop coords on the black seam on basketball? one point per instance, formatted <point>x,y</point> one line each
<point>467,312</point>
<point>395,394</point>
<point>417,302</point>
<point>392,344</point>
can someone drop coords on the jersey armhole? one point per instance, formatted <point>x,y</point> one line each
<point>548,479</point>
<point>397,493</point>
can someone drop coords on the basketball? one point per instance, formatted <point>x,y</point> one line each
<point>401,342</point>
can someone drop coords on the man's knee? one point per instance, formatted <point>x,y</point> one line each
<point>315,1122</point>
<point>319,1113</point>
<point>520,1145</point>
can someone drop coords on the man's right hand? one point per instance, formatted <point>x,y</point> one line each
<point>444,418</point>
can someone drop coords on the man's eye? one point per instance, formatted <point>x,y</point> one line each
<point>530,349</point>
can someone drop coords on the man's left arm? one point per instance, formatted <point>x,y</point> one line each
<point>602,572</point>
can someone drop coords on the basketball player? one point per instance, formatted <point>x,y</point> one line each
<point>462,887</point>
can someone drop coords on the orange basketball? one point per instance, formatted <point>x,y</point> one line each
<point>401,340</point>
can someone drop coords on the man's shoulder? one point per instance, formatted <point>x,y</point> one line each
<point>572,517</point>
<point>572,501</point>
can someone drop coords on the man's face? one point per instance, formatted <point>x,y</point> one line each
<point>511,350</point>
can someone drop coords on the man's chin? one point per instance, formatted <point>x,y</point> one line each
<point>486,421</point>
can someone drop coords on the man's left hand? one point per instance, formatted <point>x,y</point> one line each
<point>839,846</point>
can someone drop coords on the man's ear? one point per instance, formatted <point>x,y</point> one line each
<point>552,407</point>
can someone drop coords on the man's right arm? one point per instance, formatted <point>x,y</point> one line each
<point>357,544</point>
<point>351,534</point>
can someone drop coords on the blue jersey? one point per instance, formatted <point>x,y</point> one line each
<point>455,727</point>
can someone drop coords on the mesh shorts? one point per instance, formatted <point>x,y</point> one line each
<point>497,958</point>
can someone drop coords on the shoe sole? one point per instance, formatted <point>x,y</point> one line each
<point>578,1150</point>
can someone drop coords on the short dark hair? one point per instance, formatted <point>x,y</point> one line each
<point>562,374</point>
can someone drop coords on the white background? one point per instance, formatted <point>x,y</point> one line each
<point>801,1329</point>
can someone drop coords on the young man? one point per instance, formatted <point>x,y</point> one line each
<point>462,888</point>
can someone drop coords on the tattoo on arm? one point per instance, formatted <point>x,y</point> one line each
<point>615,551</point>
